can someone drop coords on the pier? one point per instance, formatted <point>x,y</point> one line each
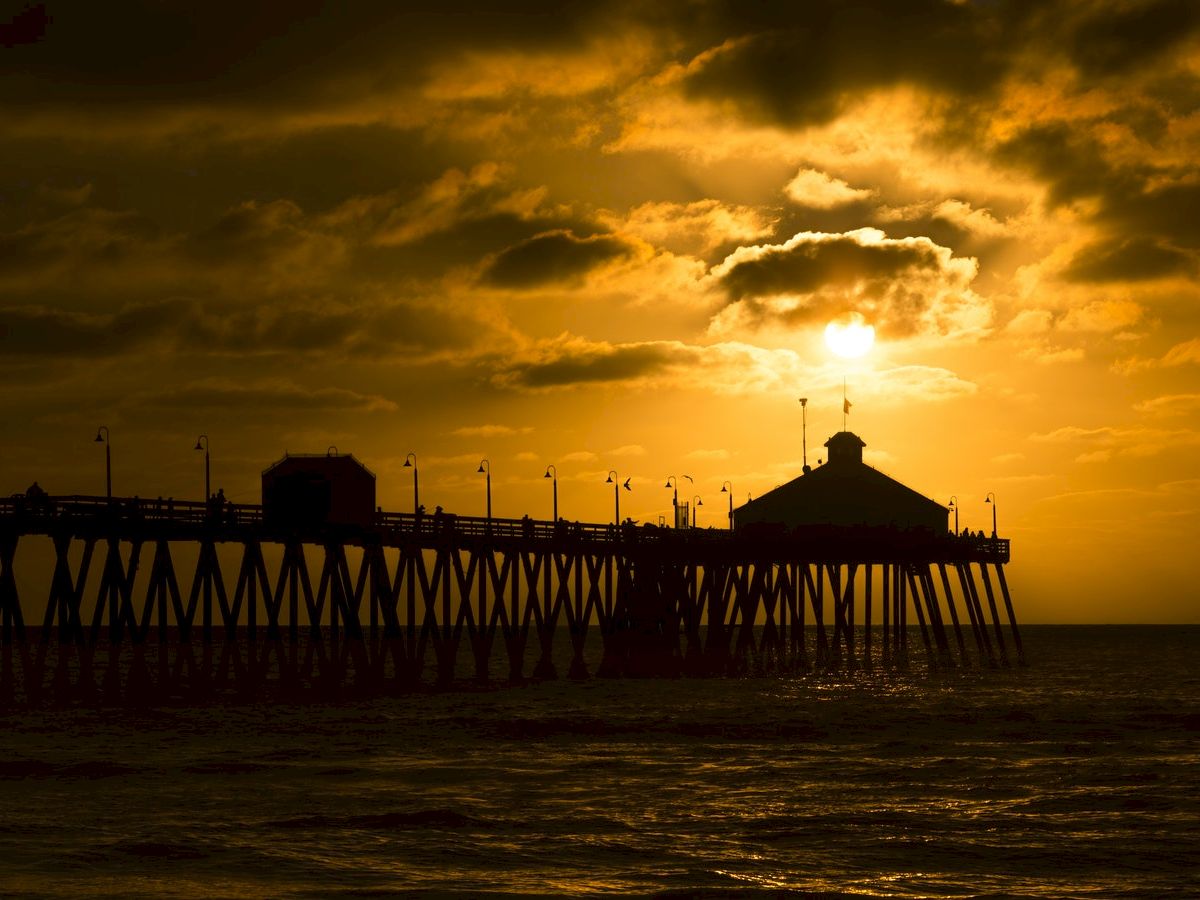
<point>174,596</point>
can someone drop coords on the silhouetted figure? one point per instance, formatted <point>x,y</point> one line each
<point>35,492</point>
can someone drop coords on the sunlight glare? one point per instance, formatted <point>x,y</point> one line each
<point>850,337</point>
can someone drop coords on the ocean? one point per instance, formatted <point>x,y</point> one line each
<point>1077,776</point>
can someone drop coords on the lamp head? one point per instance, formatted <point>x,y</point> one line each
<point>99,439</point>
<point>608,480</point>
<point>408,464</point>
<point>724,490</point>
<point>547,475</point>
<point>987,499</point>
<point>668,484</point>
<point>480,469</point>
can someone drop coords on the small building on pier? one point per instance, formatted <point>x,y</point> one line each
<point>846,492</point>
<point>306,491</point>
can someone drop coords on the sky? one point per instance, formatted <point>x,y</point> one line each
<point>611,236</point>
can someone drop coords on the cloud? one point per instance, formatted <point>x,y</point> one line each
<point>1107,442</point>
<point>1101,316</point>
<point>695,228</point>
<point>961,215</point>
<point>1182,354</point>
<point>264,396</point>
<point>627,450</point>
<point>579,456</point>
<point>38,331</point>
<point>707,455</point>
<point>1130,259</point>
<point>1169,405</point>
<point>487,431</point>
<point>730,367</point>
<point>1113,40</point>
<point>806,70</point>
<point>819,190</point>
<point>1006,458</point>
<point>556,257</point>
<point>902,286</point>
<point>211,328</point>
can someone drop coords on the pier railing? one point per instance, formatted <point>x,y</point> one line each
<point>188,519</point>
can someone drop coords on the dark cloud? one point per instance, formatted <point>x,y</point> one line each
<point>1113,40</point>
<point>366,330</point>
<point>35,331</point>
<point>1133,259</point>
<point>901,286</point>
<point>555,257</point>
<point>797,66</point>
<point>82,238</point>
<point>807,265</point>
<point>1067,157</point>
<point>263,396</point>
<point>300,53</point>
<point>1164,210</point>
<point>567,360</point>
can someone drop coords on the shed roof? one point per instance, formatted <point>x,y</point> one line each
<point>327,463</point>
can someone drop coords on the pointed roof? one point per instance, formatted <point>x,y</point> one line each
<point>845,491</point>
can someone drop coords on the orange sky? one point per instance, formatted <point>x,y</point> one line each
<point>611,238</point>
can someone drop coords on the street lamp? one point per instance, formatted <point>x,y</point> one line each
<point>991,498</point>
<point>803,436</point>
<point>954,507</point>
<point>727,488</point>
<point>202,444</point>
<point>675,499</point>
<point>615,480</point>
<point>549,469</point>
<point>107,442</point>
<point>696,501</point>
<point>410,462</point>
<point>486,467</point>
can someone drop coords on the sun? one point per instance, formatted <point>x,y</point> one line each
<point>850,337</point>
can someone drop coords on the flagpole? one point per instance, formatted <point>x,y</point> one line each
<point>843,403</point>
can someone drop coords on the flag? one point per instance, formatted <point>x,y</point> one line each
<point>845,406</point>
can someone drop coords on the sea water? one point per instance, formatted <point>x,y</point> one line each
<point>1077,776</point>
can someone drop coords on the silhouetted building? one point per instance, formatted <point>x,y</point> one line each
<point>845,491</point>
<point>309,490</point>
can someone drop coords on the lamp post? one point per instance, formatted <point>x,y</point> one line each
<point>410,462</point>
<point>615,480</point>
<point>696,501</point>
<point>486,467</point>
<point>202,444</point>
<point>675,498</point>
<point>803,436</point>
<point>953,506</point>
<point>549,469</point>
<point>991,498</point>
<point>106,440</point>
<point>727,488</point>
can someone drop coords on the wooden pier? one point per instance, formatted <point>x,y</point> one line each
<point>414,600</point>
